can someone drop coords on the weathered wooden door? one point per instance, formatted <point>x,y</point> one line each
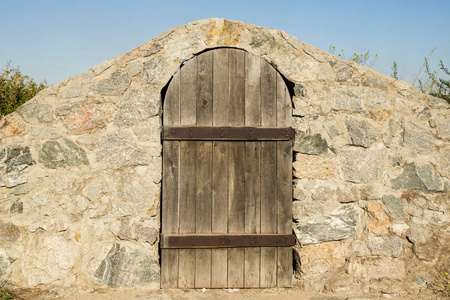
<point>227,174</point>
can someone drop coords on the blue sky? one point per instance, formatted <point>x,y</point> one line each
<point>55,39</point>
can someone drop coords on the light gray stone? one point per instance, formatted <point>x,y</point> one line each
<point>116,84</point>
<point>418,138</point>
<point>414,177</point>
<point>438,102</point>
<point>139,195</point>
<point>137,106</point>
<point>303,209</point>
<point>153,69</point>
<point>62,153</point>
<point>419,233</point>
<point>443,129</point>
<point>43,113</point>
<point>347,99</point>
<point>153,49</point>
<point>361,132</point>
<point>119,149</point>
<point>392,247</point>
<point>141,230</point>
<point>363,166</point>
<point>124,266</point>
<point>310,144</point>
<point>340,225</point>
<point>395,206</point>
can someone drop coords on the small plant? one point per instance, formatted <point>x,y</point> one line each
<point>434,84</point>
<point>364,59</point>
<point>5,294</point>
<point>440,284</point>
<point>394,73</point>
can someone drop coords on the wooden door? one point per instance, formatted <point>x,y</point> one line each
<point>227,174</point>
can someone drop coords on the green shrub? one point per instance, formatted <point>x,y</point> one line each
<point>16,89</point>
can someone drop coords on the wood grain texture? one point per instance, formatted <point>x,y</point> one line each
<point>169,215</point>
<point>186,271</point>
<point>188,93</point>
<point>221,98</point>
<point>221,87</point>
<point>236,71</point>
<point>220,212</point>
<point>252,90</point>
<point>236,200</point>
<point>227,186</point>
<point>171,109</point>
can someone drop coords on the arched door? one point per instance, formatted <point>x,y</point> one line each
<point>227,174</point>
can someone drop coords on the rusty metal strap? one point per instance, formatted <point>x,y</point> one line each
<point>226,240</point>
<point>228,133</point>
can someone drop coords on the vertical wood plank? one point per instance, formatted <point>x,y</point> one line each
<point>220,212</point>
<point>188,92</point>
<point>268,175</point>
<point>284,106</point>
<point>236,200</point>
<point>169,203</point>
<point>205,89</point>
<point>268,95</point>
<point>169,215</point>
<point>236,111</point>
<point>221,98</point>
<point>252,90</point>
<point>252,168</point>
<point>171,111</point>
<point>203,211</point>
<point>236,212</point>
<point>252,211</point>
<point>221,88</point>
<point>186,271</point>
<point>268,211</point>
<point>284,176</point>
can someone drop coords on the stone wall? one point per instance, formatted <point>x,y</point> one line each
<point>80,170</point>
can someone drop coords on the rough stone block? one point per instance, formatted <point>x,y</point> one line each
<point>62,153</point>
<point>340,225</point>
<point>119,149</point>
<point>392,247</point>
<point>418,138</point>
<point>137,106</point>
<point>82,117</point>
<point>378,220</point>
<point>361,132</point>
<point>116,84</point>
<point>363,166</point>
<point>310,144</point>
<point>314,167</point>
<point>125,266</point>
<point>443,129</point>
<point>415,177</point>
<point>386,268</point>
<point>395,206</point>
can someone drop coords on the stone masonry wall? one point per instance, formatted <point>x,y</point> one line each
<point>80,170</point>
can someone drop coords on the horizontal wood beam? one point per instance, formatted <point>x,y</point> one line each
<point>228,133</point>
<point>226,240</point>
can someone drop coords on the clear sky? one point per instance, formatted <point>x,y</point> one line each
<point>55,39</point>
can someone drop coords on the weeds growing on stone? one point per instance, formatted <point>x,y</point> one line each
<point>440,284</point>
<point>5,294</point>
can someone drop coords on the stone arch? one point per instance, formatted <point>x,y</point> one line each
<point>80,168</point>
